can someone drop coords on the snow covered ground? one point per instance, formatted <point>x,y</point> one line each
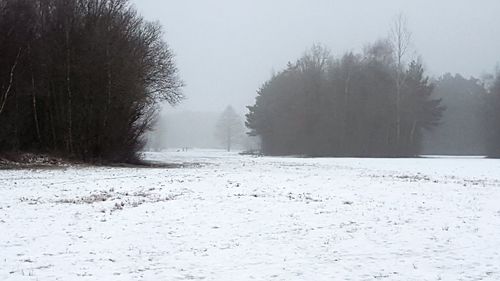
<point>230,217</point>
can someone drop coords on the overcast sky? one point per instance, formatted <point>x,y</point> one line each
<point>226,49</point>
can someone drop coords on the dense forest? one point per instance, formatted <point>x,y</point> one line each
<point>349,106</point>
<point>377,103</point>
<point>81,78</point>
<point>323,106</point>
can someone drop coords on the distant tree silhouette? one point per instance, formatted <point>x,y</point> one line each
<point>229,128</point>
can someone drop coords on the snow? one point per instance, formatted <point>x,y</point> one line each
<point>222,216</point>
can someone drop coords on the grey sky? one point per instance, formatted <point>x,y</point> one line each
<point>227,48</point>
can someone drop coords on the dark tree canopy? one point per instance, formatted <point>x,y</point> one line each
<point>493,119</point>
<point>81,77</point>
<point>321,106</point>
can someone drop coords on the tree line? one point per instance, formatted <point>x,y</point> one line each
<point>374,104</point>
<point>351,106</point>
<point>81,78</point>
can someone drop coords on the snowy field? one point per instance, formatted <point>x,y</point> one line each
<point>228,217</point>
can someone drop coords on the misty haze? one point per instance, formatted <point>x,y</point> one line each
<point>249,140</point>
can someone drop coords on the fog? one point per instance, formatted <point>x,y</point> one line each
<point>226,49</point>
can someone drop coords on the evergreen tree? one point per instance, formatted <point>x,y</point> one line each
<point>320,106</point>
<point>419,110</point>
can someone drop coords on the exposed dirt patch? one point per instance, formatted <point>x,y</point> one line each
<point>20,161</point>
<point>16,161</point>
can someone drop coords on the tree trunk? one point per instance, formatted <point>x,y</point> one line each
<point>35,112</point>
<point>345,108</point>
<point>412,133</point>
<point>11,79</point>
<point>398,106</point>
<point>51,128</point>
<point>69,93</point>
<point>108,86</point>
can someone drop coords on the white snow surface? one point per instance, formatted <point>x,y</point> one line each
<point>232,217</point>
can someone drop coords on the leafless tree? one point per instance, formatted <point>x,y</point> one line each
<point>400,38</point>
<point>84,77</point>
<point>229,128</point>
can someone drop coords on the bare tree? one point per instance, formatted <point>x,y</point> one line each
<point>92,72</point>
<point>229,128</point>
<point>400,38</point>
